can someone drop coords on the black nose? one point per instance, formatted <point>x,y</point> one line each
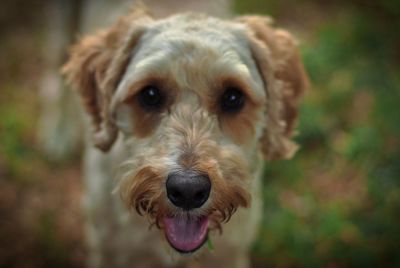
<point>188,189</point>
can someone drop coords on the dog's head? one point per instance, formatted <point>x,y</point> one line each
<point>197,100</point>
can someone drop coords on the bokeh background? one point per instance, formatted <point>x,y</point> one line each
<point>336,204</point>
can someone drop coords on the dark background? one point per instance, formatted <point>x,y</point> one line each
<point>336,204</point>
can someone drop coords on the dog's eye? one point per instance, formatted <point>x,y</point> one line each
<point>232,100</point>
<point>151,97</point>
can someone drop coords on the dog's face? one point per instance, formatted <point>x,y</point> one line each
<point>197,100</point>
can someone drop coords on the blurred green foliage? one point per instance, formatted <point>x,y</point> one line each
<point>16,130</point>
<point>337,203</point>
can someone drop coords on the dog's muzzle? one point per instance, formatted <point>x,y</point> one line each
<point>187,190</point>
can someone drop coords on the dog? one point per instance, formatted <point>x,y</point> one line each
<point>184,111</point>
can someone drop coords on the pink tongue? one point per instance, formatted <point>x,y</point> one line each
<point>186,233</point>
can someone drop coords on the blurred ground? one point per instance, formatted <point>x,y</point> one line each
<point>40,221</point>
<point>336,204</point>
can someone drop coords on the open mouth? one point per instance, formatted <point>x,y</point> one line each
<point>186,234</point>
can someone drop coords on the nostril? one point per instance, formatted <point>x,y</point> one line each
<point>175,195</point>
<point>199,196</point>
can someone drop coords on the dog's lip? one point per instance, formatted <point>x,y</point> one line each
<point>186,234</point>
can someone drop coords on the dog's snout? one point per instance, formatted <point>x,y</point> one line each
<point>188,189</point>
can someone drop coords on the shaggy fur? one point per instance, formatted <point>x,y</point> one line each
<point>192,59</point>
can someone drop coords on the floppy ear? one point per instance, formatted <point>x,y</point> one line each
<point>275,53</point>
<point>96,65</point>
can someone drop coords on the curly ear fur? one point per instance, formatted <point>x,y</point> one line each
<point>96,65</point>
<point>285,80</point>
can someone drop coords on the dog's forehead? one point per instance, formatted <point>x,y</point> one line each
<point>188,29</point>
<point>193,50</point>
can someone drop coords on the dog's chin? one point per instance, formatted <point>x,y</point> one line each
<point>185,233</point>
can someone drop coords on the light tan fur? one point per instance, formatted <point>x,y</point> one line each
<point>192,59</point>
<point>282,70</point>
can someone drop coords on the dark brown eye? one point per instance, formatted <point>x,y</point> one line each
<point>151,97</point>
<point>232,100</point>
